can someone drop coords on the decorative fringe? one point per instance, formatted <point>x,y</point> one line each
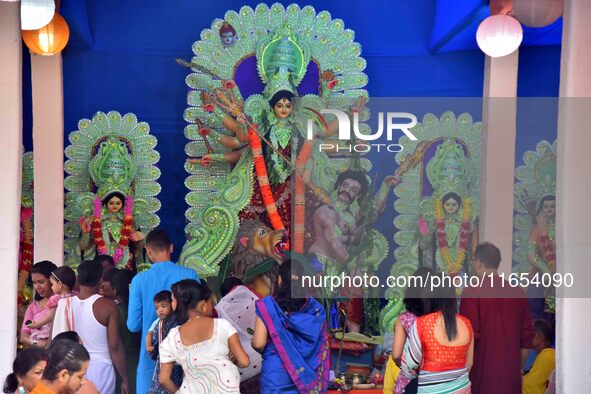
<point>300,191</point>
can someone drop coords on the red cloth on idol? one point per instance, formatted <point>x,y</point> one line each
<point>257,210</point>
<point>502,327</point>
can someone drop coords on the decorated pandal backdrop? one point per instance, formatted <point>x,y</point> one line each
<point>25,257</point>
<point>246,88</point>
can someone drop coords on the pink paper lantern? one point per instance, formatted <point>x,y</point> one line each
<point>499,35</point>
<point>537,13</point>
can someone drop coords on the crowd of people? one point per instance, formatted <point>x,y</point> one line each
<point>104,330</point>
<point>158,332</point>
<point>480,347</point>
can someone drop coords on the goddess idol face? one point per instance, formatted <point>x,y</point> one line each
<point>451,206</point>
<point>283,108</point>
<point>549,208</point>
<point>114,204</point>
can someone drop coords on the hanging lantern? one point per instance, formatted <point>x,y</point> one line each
<point>537,13</point>
<point>36,13</point>
<point>499,35</point>
<point>50,39</point>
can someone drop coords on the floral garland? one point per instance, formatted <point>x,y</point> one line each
<point>26,254</point>
<point>263,179</point>
<point>548,255</point>
<point>453,266</point>
<point>27,240</point>
<point>97,229</point>
<point>300,203</point>
<point>328,83</point>
<point>547,250</point>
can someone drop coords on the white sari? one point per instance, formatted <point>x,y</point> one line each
<point>238,307</point>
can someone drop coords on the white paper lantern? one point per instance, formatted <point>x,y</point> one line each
<point>499,35</point>
<point>537,13</point>
<point>36,13</point>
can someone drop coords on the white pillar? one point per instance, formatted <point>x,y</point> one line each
<point>498,154</point>
<point>573,323</point>
<point>48,157</point>
<point>10,174</point>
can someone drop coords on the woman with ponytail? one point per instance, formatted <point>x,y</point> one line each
<point>440,346</point>
<point>200,344</point>
<point>27,369</point>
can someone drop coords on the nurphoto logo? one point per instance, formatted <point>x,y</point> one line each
<point>402,121</point>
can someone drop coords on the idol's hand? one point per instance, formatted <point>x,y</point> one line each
<point>355,237</point>
<point>241,119</point>
<point>391,180</point>
<point>423,227</point>
<point>137,236</point>
<point>206,160</point>
<point>85,225</point>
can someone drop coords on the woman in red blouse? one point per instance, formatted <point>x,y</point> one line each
<point>440,347</point>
